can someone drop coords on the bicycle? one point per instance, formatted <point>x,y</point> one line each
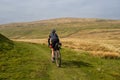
<point>57,54</point>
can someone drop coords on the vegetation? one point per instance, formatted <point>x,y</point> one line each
<point>68,26</point>
<point>5,43</point>
<point>24,62</point>
<point>91,50</point>
<point>29,61</point>
<point>98,36</point>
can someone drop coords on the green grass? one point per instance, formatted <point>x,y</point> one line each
<point>24,62</point>
<point>80,65</point>
<point>5,43</point>
<point>27,61</point>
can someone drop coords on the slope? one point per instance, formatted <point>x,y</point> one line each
<point>28,61</point>
<point>5,43</point>
<point>98,36</point>
<point>66,27</point>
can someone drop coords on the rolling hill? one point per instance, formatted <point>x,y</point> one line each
<point>66,27</point>
<point>97,36</point>
<point>90,52</point>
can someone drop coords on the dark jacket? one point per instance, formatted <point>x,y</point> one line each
<point>53,37</point>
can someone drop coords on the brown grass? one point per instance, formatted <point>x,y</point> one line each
<point>111,55</point>
<point>102,48</point>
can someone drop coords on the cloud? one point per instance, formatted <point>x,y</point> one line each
<point>29,10</point>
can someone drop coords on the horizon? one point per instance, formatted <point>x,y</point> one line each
<point>56,18</point>
<point>15,11</point>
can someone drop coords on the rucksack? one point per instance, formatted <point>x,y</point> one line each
<point>53,37</point>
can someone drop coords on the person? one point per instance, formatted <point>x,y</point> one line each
<point>52,40</point>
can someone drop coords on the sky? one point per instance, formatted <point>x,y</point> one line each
<point>34,10</point>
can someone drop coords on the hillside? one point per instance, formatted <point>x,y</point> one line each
<point>5,43</point>
<point>66,27</point>
<point>97,36</point>
<point>90,51</point>
<point>28,61</point>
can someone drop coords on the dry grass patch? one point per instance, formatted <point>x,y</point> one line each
<point>84,44</point>
<point>111,55</point>
<point>102,48</point>
<point>39,41</point>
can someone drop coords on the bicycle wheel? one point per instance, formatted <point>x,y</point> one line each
<point>58,58</point>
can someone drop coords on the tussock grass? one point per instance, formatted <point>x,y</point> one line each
<point>101,48</point>
<point>95,47</point>
<point>110,55</point>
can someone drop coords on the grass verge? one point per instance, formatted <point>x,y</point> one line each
<point>24,62</point>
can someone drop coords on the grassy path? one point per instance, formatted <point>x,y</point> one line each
<point>29,61</point>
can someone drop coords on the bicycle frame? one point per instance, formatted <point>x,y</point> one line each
<point>57,58</point>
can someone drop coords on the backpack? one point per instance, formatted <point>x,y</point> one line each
<point>53,37</point>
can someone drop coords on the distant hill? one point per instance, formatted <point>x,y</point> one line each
<point>5,43</point>
<point>66,27</point>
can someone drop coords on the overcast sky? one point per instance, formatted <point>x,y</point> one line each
<point>33,10</point>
